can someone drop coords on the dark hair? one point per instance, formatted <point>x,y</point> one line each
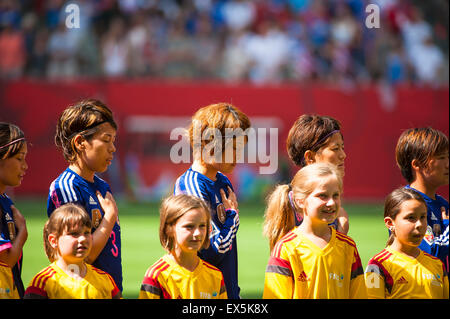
<point>10,133</point>
<point>82,118</point>
<point>309,132</point>
<point>418,144</point>
<point>393,202</point>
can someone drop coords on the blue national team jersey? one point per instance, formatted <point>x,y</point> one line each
<point>222,251</point>
<point>7,233</point>
<point>435,244</point>
<point>71,187</point>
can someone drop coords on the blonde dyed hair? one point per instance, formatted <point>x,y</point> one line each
<point>279,213</point>
<point>64,218</point>
<point>172,209</point>
<point>219,117</point>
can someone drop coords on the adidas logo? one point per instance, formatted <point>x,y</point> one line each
<point>92,201</point>
<point>402,280</point>
<point>303,277</point>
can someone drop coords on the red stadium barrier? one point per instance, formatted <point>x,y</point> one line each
<point>373,118</point>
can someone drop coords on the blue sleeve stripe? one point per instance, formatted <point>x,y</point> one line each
<point>224,244</point>
<point>66,188</point>
<point>72,190</point>
<point>61,187</point>
<point>443,239</point>
<point>189,184</point>
<point>197,187</point>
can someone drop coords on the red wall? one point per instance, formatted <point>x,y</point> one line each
<point>371,127</point>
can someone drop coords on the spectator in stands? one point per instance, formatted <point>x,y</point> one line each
<point>115,49</point>
<point>263,41</point>
<point>12,52</point>
<point>62,47</point>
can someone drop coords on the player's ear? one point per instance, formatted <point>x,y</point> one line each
<point>415,165</point>
<point>389,222</point>
<point>78,142</point>
<point>53,240</point>
<point>299,202</point>
<point>310,157</point>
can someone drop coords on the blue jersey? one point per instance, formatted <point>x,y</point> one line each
<point>222,252</point>
<point>7,234</point>
<point>435,243</point>
<point>71,187</point>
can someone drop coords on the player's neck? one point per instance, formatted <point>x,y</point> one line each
<point>410,251</point>
<point>319,234</point>
<point>205,169</point>
<point>186,260</point>
<point>423,187</point>
<point>83,171</point>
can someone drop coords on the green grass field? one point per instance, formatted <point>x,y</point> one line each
<point>141,247</point>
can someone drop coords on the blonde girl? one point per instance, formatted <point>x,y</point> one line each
<point>183,232</point>
<point>314,261</point>
<point>311,139</point>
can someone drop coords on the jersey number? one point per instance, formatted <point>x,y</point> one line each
<point>114,250</point>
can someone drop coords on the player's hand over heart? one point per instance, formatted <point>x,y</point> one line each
<point>108,205</point>
<point>229,202</point>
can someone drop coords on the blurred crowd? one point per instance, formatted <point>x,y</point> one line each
<point>261,41</point>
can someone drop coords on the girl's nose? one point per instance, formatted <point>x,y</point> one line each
<point>331,202</point>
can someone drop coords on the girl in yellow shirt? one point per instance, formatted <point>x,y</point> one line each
<point>8,289</point>
<point>402,270</point>
<point>67,242</point>
<point>314,261</point>
<point>181,274</point>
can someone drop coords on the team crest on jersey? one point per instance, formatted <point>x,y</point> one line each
<point>96,217</point>
<point>221,214</point>
<point>429,237</point>
<point>11,227</point>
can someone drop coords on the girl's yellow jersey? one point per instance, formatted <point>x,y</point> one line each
<point>7,288</point>
<point>168,280</point>
<point>299,269</point>
<point>393,275</point>
<point>53,283</point>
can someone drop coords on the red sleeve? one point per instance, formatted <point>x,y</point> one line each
<point>35,293</point>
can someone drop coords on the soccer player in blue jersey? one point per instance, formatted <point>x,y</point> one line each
<point>422,156</point>
<point>86,134</point>
<point>13,229</point>
<point>205,179</point>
